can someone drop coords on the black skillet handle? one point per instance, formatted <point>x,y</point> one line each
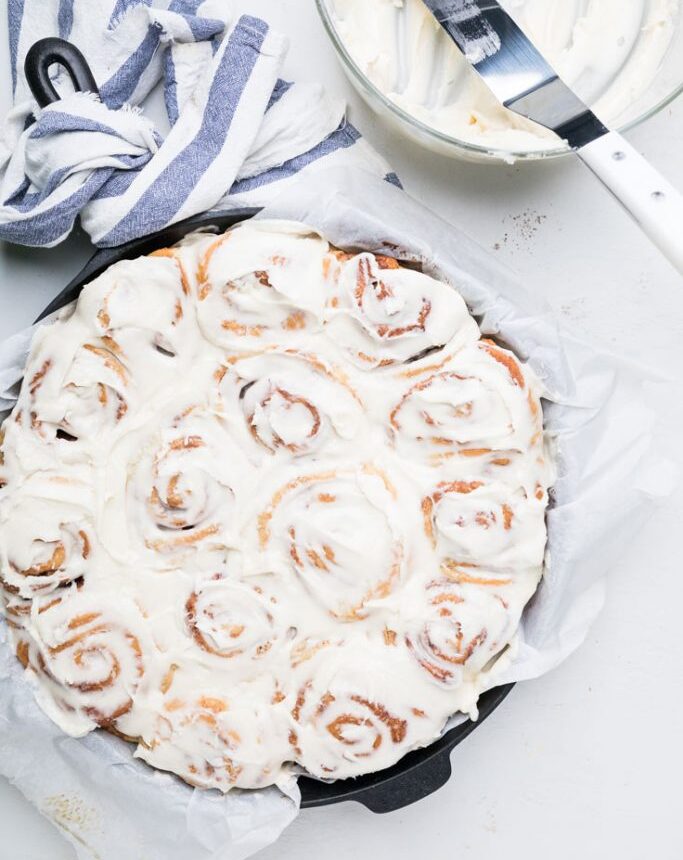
<point>48,52</point>
<point>416,784</point>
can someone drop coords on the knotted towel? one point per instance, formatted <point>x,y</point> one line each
<point>238,132</point>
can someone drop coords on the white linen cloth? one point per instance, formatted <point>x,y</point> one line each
<point>238,133</point>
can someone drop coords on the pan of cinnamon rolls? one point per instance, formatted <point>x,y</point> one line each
<point>271,507</point>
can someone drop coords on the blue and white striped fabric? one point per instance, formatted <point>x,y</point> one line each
<point>238,132</point>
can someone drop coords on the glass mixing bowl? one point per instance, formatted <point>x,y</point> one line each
<point>667,85</point>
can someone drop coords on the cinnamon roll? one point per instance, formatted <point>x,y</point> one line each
<point>383,314</point>
<point>467,618</point>
<point>291,401</point>
<point>267,504</point>
<point>124,337</point>
<point>234,619</point>
<point>257,287</point>
<point>49,539</point>
<point>216,741</point>
<point>89,660</point>
<point>71,396</point>
<point>360,710</point>
<point>144,305</point>
<point>180,495</point>
<point>49,546</point>
<point>480,403</point>
<point>489,523</point>
<point>338,532</point>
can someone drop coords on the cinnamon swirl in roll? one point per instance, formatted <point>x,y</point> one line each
<point>256,287</point>
<point>269,505</point>
<point>339,531</point>
<point>88,659</point>
<point>383,314</point>
<point>291,401</point>
<point>476,404</point>
<point>234,619</point>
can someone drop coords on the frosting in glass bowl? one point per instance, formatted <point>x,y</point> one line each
<point>609,51</point>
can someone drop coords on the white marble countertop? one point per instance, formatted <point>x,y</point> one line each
<point>585,762</point>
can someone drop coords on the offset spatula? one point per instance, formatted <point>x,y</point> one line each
<point>525,83</point>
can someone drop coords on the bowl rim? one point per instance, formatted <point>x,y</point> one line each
<point>486,152</point>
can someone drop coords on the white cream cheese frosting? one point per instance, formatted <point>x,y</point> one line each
<point>266,504</point>
<point>609,51</point>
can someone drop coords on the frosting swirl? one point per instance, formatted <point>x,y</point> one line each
<point>87,659</point>
<point>252,292</point>
<point>479,403</point>
<point>340,538</point>
<point>231,619</point>
<point>292,401</point>
<point>383,314</point>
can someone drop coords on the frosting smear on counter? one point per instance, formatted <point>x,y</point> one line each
<point>609,51</point>
<point>268,503</point>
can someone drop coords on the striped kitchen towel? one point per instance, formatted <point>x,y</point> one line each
<point>238,132</point>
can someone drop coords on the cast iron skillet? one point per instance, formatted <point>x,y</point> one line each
<point>419,773</point>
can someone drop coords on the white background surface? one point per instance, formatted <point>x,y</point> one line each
<point>586,762</point>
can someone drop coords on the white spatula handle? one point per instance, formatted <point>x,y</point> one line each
<point>655,204</point>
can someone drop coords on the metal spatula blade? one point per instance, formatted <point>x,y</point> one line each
<point>523,81</point>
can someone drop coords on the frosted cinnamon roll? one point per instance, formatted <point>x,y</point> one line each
<point>480,403</point>
<point>234,619</point>
<point>468,617</point>
<point>216,741</point>
<point>181,493</point>
<point>144,304</point>
<point>267,504</point>
<point>120,345</point>
<point>338,532</point>
<point>291,401</point>
<point>361,710</point>
<point>124,337</point>
<point>89,660</point>
<point>486,523</point>
<point>71,396</point>
<point>49,539</point>
<point>256,287</point>
<point>49,546</point>
<point>383,314</point>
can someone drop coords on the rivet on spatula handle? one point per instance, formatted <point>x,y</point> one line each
<point>645,194</point>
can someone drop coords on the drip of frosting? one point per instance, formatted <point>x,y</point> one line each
<point>267,503</point>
